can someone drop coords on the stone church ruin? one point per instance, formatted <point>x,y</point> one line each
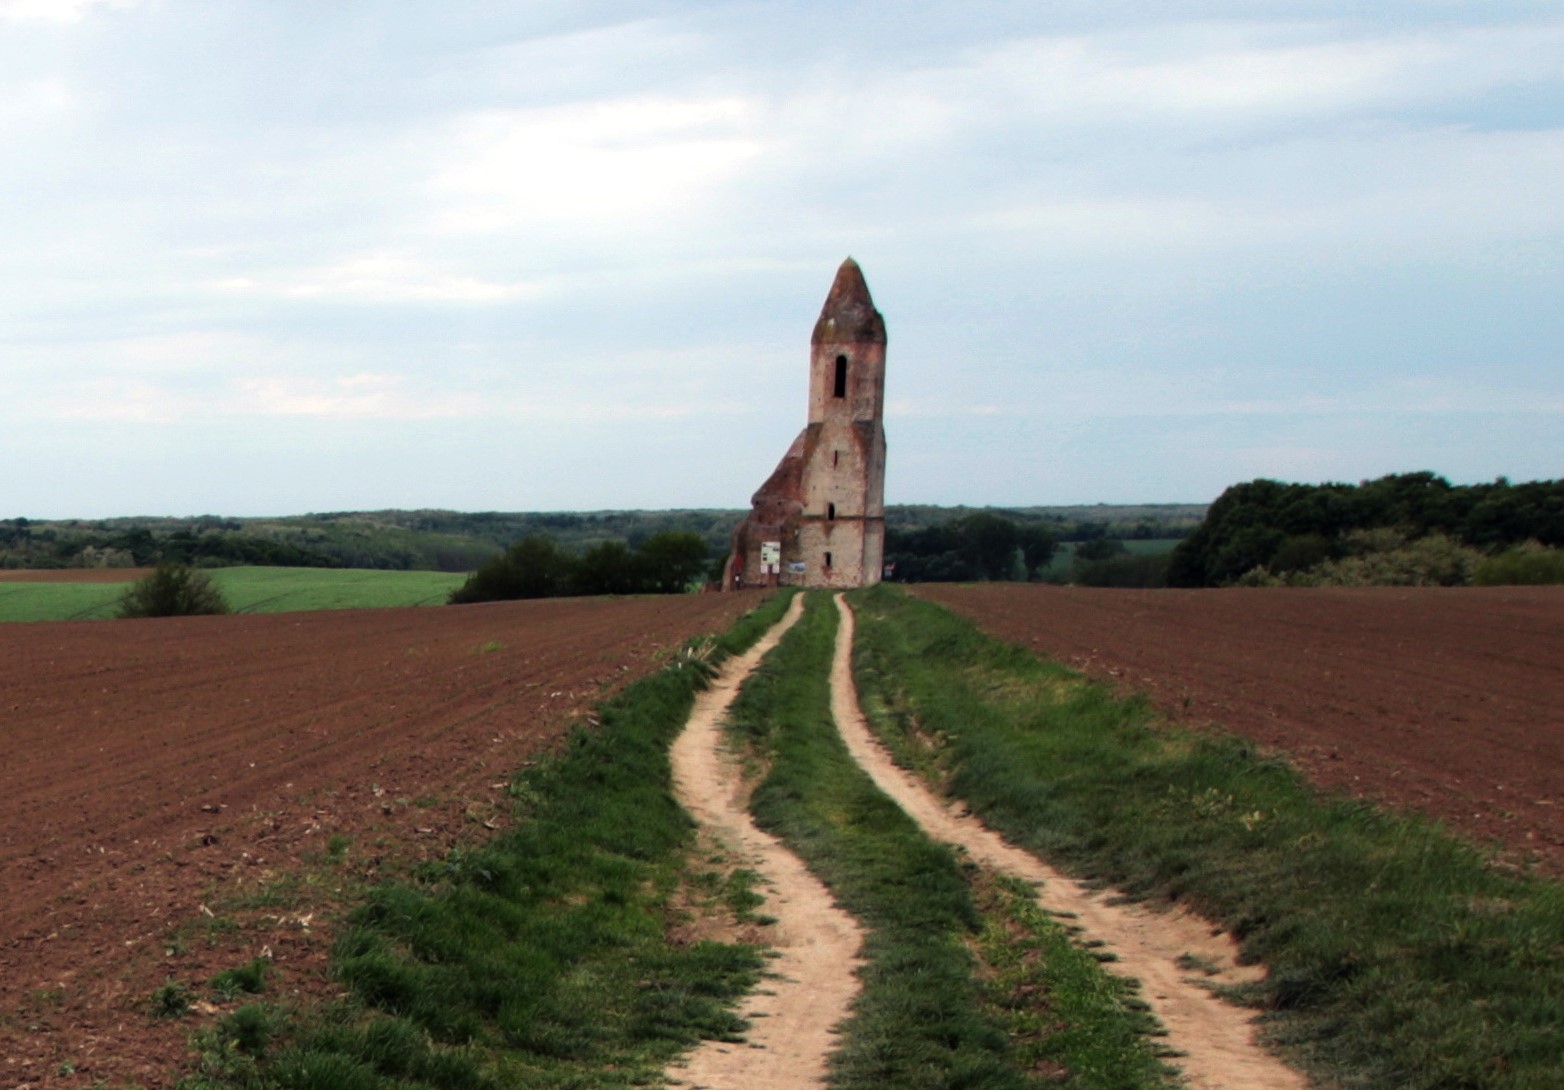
<point>819,520</point>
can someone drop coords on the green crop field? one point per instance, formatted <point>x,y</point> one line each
<point>248,590</point>
<point>291,590</point>
<point>58,601</point>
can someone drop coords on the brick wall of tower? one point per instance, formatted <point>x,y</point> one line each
<point>825,503</point>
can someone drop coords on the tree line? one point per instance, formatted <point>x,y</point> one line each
<point>980,546</point>
<point>539,567</point>
<point>1265,528</point>
<point>24,544</point>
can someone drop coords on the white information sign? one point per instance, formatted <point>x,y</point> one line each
<point>770,557</point>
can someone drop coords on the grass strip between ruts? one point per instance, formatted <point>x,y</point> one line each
<point>924,1018</point>
<point>1401,958</point>
<point>540,960</point>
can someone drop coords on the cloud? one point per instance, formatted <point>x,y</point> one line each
<point>382,278</point>
<point>39,102</point>
<point>605,165</point>
<point>614,231</point>
<point>372,396</point>
<point>58,11</point>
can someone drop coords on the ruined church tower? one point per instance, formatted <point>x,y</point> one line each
<point>819,520</point>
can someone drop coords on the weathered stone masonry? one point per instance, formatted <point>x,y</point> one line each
<point>819,520</point>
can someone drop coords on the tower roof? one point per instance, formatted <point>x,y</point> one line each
<point>848,316</point>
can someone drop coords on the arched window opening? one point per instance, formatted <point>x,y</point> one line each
<point>841,376</point>
<point>830,511</point>
<point>828,560</point>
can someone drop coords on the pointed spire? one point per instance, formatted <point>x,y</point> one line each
<point>848,316</point>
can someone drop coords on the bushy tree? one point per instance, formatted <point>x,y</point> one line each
<point>607,568</point>
<point>671,561</point>
<point>534,567</point>
<point>1038,547</point>
<point>981,545</point>
<point>1294,528</point>
<point>173,590</point>
<point>1123,570</point>
<point>1103,548</point>
<point>1531,563</point>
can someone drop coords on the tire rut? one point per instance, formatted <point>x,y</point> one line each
<point>1216,1041</point>
<point>794,1018</point>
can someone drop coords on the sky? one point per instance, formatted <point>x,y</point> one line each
<point>285,256</point>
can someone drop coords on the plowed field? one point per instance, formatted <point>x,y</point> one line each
<point>1445,701</point>
<point>152,769</point>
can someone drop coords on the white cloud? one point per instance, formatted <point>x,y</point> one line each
<point>1248,72</point>
<point>390,397</point>
<point>603,166</point>
<point>383,278</point>
<point>57,11</point>
<point>41,101</point>
<point>371,396</point>
<point>128,400</point>
<point>1076,220</point>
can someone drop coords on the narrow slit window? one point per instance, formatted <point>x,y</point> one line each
<point>828,560</point>
<point>830,511</point>
<point>836,458</point>
<point>841,376</point>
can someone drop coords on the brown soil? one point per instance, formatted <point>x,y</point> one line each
<point>1445,701</point>
<point>1216,1042</point>
<point>157,771</point>
<point>72,575</point>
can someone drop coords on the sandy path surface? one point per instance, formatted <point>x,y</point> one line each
<point>795,1015</point>
<point>1217,1039</point>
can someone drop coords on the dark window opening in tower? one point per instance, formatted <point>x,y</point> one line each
<point>836,458</point>
<point>841,376</point>
<point>830,511</point>
<point>827,560</point>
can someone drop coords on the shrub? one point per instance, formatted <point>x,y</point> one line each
<point>173,590</point>
<point>536,567</point>
<point>242,979</point>
<point>1381,557</point>
<point>1128,570</point>
<point>1528,564</point>
<point>172,1000</point>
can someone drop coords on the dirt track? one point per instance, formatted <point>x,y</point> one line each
<point>813,980</point>
<point>1215,1039</point>
<point>788,1044</point>
<point>150,766</point>
<point>1446,701</point>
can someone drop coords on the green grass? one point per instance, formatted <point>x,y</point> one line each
<point>924,1020</point>
<point>247,590</point>
<point>58,601</point>
<point>289,590</point>
<point>1401,958</point>
<point>539,960</point>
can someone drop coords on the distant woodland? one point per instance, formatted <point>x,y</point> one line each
<point>456,541</point>
<point>1412,529</point>
<point>1404,529</point>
